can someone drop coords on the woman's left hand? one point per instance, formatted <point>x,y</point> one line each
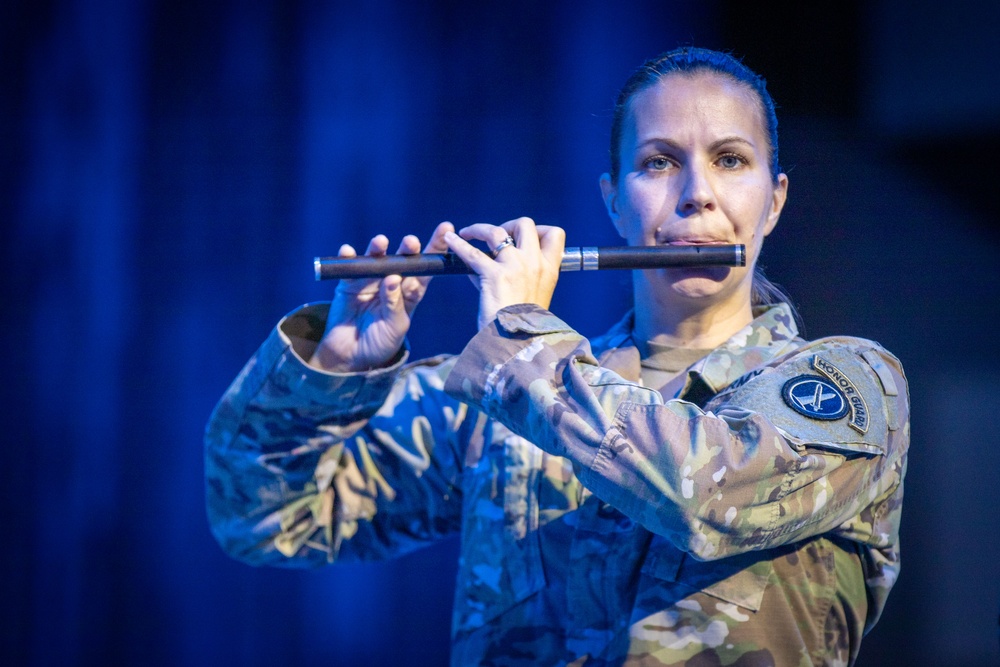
<point>525,271</point>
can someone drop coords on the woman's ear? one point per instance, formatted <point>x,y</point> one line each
<point>778,198</point>
<point>610,195</point>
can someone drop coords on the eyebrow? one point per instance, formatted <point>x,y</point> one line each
<point>730,140</point>
<point>715,145</point>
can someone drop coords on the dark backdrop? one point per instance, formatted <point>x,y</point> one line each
<point>169,170</point>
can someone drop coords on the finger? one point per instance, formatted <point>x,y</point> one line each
<point>391,295</point>
<point>524,232</point>
<point>410,245</point>
<point>477,260</point>
<point>414,287</point>
<point>349,286</point>
<point>491,235</point>
<point>377,246</point>
<point>437,242</point>
<point>552,241</point>
<point>362,287</point>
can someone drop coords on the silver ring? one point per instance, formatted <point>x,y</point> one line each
<point>503,244</point>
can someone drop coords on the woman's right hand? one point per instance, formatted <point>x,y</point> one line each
<point>369,317</point>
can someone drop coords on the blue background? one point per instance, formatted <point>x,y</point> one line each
<point>170,169</point>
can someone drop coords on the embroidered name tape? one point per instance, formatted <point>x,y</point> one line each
<point>856,402</point>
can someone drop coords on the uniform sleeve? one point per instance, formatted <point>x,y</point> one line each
<point>304,467</point>
<point>750,472</point>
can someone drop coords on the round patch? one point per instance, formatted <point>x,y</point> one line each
<point>815,397</point>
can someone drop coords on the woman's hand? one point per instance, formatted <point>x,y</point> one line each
<point>369,318</point>
<point>523,272</point>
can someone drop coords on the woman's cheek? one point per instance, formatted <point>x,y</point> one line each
<point>748,214</point>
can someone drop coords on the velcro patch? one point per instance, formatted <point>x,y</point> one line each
<point>815,386</point>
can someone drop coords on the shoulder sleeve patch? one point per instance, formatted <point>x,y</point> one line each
<point>826,395</point>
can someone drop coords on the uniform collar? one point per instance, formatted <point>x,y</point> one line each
<point>770,334</point>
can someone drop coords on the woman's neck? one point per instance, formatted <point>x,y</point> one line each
<point>676,321</point>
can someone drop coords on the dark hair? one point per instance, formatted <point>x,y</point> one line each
<point>690,60</point>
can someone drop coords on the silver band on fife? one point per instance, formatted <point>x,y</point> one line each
<point>503,244</point>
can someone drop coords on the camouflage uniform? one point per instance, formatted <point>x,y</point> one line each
<point>738,525</point>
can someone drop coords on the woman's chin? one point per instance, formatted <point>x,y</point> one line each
<point>697,283</point>
<point>698,287</point>
<point>696,292</point>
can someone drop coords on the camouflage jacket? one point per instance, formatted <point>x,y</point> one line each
<point>753,520</point>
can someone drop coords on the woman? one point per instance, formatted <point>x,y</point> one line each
<point>699,486</point>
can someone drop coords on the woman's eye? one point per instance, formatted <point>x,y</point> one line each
<point>658,163</point>
<point>731,161</point>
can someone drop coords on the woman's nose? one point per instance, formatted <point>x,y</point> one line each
<point>697,193</point>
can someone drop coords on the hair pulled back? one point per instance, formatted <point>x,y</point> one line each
<point>692,60</point>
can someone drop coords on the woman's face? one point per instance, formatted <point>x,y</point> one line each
<point>694,170</point>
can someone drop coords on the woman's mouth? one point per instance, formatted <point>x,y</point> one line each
<point>695,242</point>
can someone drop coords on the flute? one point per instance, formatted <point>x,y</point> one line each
<point>574,259</point>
